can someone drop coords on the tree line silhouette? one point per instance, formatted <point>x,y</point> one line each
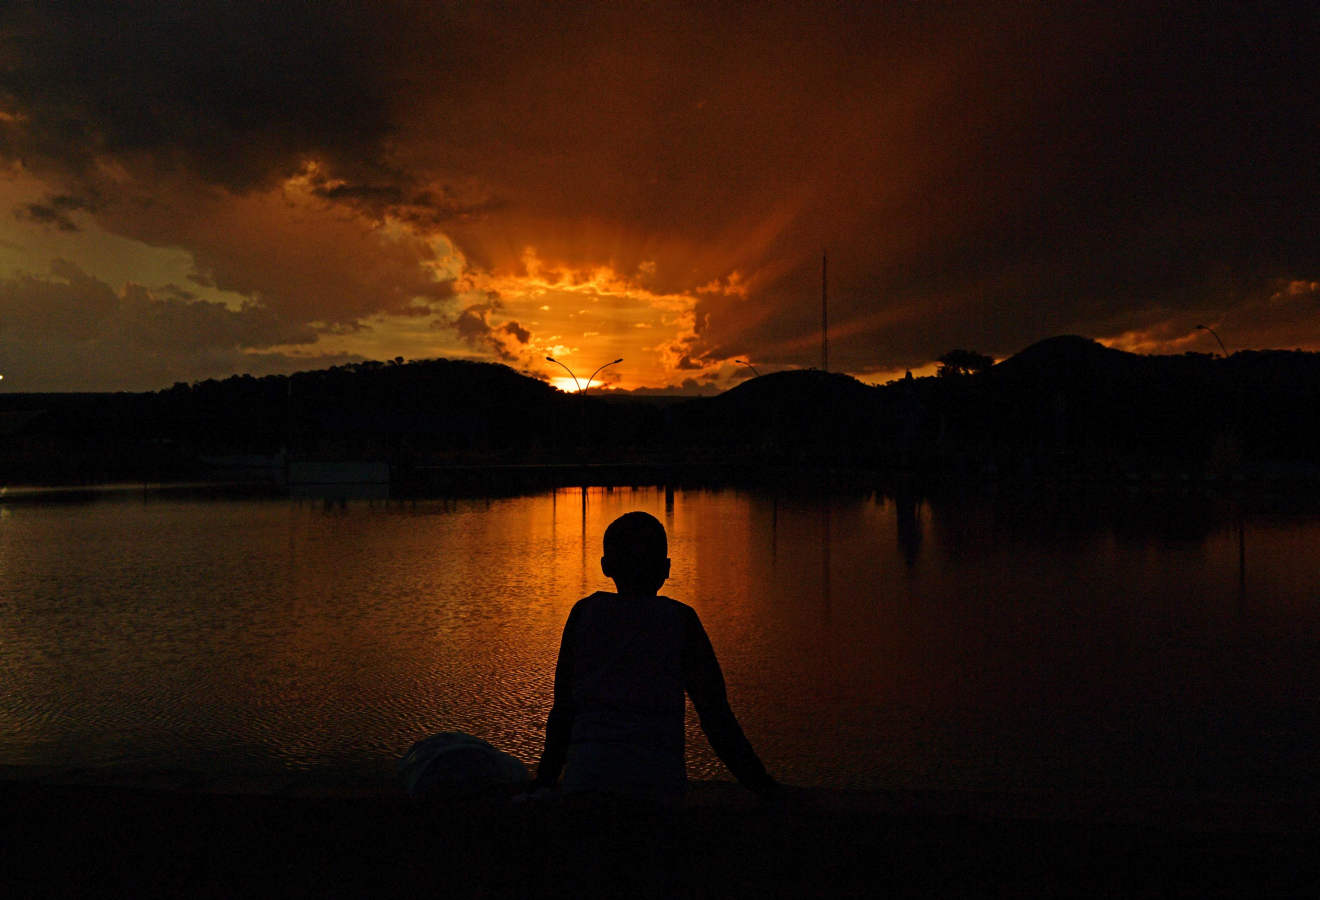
<point>1066,405</point>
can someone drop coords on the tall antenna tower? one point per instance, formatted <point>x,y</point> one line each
<point>824,316</point>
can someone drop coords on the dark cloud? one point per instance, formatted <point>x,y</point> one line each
<point>517,332</point>
<point>1157,166</point>
<point>385,194</point>
<point>68,304</point>
<point>187,122</point>
<point>983,175</point>
<point>67,330</point>
<point>237,91</point>
<point>472,324</point>
<point>176,293</point>
<point>405,199</point>
<point>506,341</point>
<point>55,211</point>
<point>301,257</point>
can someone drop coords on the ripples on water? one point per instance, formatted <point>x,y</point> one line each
<point>1013,643</point>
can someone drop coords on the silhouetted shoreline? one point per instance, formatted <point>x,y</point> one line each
<point>1264,486</point>
<point>1065,409</point>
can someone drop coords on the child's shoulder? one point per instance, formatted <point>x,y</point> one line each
<point>597,599</point>
<point>676,611</point>
<point>676,605</point>
<point>606,598</point>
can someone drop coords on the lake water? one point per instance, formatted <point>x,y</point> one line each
<point>1099,641</point>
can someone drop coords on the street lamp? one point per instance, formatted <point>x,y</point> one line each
<point>594,374</point>
<point>1215,336</point>
<point>576,383</point>
<point>582,391</point>
<point>743,362</point>
<point>1231,456</point>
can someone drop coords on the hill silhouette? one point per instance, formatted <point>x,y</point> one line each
<point>1065,405</point>
<point>1068,356</point>
<point>796,387</point>
<point>1070,400</point>
<point>798,415</point>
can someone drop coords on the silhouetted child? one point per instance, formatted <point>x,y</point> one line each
<point>624,663</point>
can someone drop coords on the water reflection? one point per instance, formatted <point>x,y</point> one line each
<point>825,544</point>
<point>907,516</point>
<point>997,640</point>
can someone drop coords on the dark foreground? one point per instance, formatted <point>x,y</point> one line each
<point>87,840</point>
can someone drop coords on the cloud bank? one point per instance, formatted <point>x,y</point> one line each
<point>65,330</point>
<point>983,175</point>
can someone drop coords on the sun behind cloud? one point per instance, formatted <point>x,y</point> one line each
<point>585,316</point>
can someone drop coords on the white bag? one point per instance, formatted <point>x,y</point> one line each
<point>454,764</point>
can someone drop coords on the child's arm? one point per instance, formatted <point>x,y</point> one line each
<point>704,683</point>
<point>559,725</point>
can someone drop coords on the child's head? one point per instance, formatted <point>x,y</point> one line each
<point>636,553</point>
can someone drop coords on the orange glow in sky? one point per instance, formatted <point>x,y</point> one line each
<point>593,180</point>
<point>586,317</point>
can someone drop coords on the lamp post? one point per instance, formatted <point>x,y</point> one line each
<point>582,391</point>
<point>594,374</point>
<point>576,383</point>
<point>1233,426</point>
<point>743,362</point>
<point>1231,453</point>
<point>1215,336</point>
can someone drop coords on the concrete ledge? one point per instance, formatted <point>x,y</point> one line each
<point>164,837</point>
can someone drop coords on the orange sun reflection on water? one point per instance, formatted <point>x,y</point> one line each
<point>857,650</point>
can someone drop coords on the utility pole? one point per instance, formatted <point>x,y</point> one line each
<point>824,316</point>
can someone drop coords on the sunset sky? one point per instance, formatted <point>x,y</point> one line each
<point>197,189</point>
